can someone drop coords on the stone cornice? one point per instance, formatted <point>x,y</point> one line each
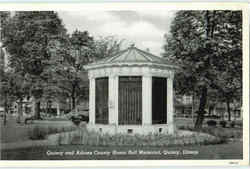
<point>131,64</point>
<point>130,71</point>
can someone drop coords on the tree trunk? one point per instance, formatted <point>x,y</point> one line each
<point>47,108</point>
<point>228,110</point>
<point>37,110</point>
<point>5,109</point>
<point>73,99</point>
<point>73,102</point>
<point>19,110</point>
<point>201,111</point>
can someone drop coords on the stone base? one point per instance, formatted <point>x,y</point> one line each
<point>131,129</point>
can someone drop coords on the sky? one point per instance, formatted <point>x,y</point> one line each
<point>143,28</point>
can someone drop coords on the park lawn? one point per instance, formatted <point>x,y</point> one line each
<point>231,150</point>
<point>19,132</point>
<point>13,132</point>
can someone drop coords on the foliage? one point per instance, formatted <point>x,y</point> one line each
<point>66,73</point>
<point>223,133</point>
<point>211,123</point>
<point>107,47</point>
<point>4,18</point>
<point>232,124</point>
<point>208,45</point>
<point>27,35</point>
<point>41,132</point>
<point>223,123</point>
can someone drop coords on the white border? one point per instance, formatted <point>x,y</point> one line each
<point>148,6</point>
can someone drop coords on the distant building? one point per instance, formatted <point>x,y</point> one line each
<point>184,106</point>
<point>49,107</point>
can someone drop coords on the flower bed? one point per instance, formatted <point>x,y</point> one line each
<point>82,137</point>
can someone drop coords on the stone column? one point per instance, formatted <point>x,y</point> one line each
<point>146,100</point>
<point>170,104</point>
<point>116,97</point>
<point>92,100</point>
<point>113,89</point>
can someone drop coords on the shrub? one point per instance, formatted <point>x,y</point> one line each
<point>232,124</point>
<point>222,133</point>
<point>223,123</point>
<point>76,121</point>
<point>38,133</point>
<point>211,123</point>
<point>41,132</point>
<point>238,123</point>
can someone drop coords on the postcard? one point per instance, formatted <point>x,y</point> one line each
<point>124,84</point>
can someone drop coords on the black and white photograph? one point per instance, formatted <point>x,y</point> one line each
<point>126,84</point>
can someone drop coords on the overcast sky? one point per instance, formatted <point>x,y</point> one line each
<point>143,28</point>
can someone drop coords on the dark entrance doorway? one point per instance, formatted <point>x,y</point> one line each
<point>130,100</point>
<point>159,100</point>
<point>101,101</point>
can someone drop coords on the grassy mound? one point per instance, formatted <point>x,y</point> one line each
<point>220,132</point>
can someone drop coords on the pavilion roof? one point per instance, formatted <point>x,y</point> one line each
<point>132,56</point>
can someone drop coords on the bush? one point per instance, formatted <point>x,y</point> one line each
<point>223,133</point>
<point>38,133</point>
<point>213,117</point>
<point>223,123</point>
<point>232,124</point>
<point>41,132</point>
<point>238,123</point>
<point>211,123</point>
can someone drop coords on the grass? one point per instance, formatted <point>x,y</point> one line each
<point>228,150</point>
<point>219,132</point>
<point>15,132</point>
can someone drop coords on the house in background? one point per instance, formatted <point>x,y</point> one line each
<point>48,108</point>
<point>184,106</point>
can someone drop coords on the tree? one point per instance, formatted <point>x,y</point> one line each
<point>107,46</point>
<point>71,53</point>
<point>4,18</point>
<point>27,37</point>
<point>209,46</point>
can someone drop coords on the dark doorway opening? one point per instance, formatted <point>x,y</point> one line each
<point>130,100</point>
<point>101,101</point>
<point>159,100</point>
